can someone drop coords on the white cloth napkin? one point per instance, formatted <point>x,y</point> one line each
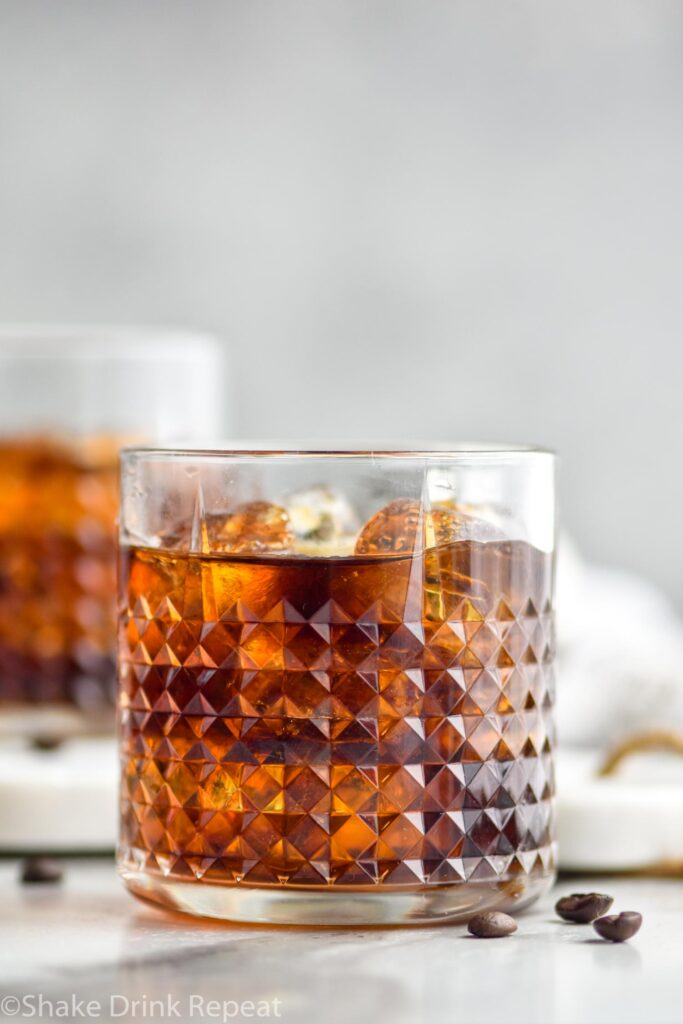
<point>620,654</point>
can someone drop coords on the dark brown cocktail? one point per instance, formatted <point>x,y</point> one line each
<point>377,722</point>
<point>58,503</point>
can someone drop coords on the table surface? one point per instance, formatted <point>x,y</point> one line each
<point>87,939</point>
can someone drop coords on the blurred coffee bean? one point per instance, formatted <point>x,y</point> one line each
<point>36,870</point>
<point>47,742</point>
<point>491,925</point>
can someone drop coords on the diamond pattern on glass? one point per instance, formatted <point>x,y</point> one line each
<point>356,721</point>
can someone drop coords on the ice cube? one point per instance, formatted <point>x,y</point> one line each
<point>323,521</point>
<point>394,529</point>
<point>337,547</point>
<point>256,526</point>
<point>472,525</point>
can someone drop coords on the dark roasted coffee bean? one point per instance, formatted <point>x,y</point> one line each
<point>47,742</point>
<point>583,907</point>
<point>491,925</point>
<point>41,869</point>
<point>618,927</point>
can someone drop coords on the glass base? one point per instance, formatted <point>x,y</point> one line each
<point>353,906</point>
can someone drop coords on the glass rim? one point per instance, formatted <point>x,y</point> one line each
<point>431,452</point>
<point>94,342</point>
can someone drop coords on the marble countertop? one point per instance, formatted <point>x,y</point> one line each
<point>88,940</point>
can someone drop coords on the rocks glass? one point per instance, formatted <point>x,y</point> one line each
<point>336,683</point>
<point>69,396</point>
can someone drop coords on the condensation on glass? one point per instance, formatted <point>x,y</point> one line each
<point>336,683</point>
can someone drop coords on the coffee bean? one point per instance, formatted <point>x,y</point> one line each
<point>41,870</point>
<point>618,927</point>
<point>491,925</point>
<point>49,741</point>
<point>583,907</point>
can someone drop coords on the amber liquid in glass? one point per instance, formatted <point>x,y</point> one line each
<point>57,571</point>
<point>362,721</point>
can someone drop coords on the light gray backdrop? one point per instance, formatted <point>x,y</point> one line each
<point>409,219</point>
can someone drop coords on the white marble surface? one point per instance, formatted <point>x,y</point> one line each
<point>89,940</point>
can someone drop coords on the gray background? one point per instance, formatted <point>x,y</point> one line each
<point>409,219</point>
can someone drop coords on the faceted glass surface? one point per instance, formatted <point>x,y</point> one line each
<point>58,505</point>
<point>373,720</point>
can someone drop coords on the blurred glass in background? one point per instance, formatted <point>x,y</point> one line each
<point>69,398</point>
